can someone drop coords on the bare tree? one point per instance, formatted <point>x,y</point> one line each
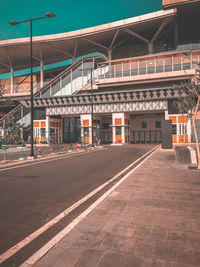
<point>189,102</point>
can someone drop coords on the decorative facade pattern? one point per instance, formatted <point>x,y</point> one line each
<point>104,98</point>
<point>108,108</point>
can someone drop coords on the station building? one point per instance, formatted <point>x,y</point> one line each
<point>120,85</point>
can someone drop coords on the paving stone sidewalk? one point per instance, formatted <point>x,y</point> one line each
<point>151,219</point>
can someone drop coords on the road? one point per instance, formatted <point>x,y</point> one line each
<point>30,196</point>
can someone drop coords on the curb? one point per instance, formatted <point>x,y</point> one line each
<point>27,162</point>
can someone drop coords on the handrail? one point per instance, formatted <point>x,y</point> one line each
<point>71,67</point>
<point>66,71</point>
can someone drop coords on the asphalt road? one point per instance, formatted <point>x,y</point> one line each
<point>30,196</point>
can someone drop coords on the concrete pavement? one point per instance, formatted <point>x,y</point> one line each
<point>151,219</point>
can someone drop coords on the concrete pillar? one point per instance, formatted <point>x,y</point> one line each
<point>11,80</point>
<point>150,48</point>
<point>47,128</point>
<point>118,128</point>
<point>109,54</point>
<point>166,115</point>
<point>41,73</point>
<point>176,34</point>
<point>86,123</point>
<point>73,59</point>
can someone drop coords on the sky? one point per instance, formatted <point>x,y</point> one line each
<point>70,14</point>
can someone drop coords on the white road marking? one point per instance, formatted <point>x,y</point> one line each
<point>10,252</point>
<point>41,252</point>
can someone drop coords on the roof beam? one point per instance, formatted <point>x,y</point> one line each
<point>121,42</point>
<point>8,57</point>
<point>75,48</point>
<point>136,35</point>
<point>25,54</point>
<point>162,26</point>
<point>59,50</point>
<point>95,43</point>
<point>114,38</point>
<point>3,64</point>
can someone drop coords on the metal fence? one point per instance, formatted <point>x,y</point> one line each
<point>151,136</point>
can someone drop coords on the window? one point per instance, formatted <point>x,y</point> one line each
<point>144,125</point>
<point>126,131</point>
<point>105,126</point>
<point>158,124</point>
<point>174,130</point>
<point>42,132</point>
<point>118,130</point>
<point>86,131</point>
<point>182,128</point>
<point>52,132</point>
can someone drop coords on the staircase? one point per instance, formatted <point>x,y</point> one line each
<point>69,82</point>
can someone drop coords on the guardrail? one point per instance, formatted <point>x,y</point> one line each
<point>150,65</point>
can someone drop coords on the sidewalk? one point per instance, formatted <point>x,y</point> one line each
<point>151,219</point>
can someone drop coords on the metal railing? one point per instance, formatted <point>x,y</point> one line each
<point>148,136</point>
<point>73,78</point>
<point>150,65</point>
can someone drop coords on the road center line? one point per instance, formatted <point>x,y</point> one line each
<point>10,252</point>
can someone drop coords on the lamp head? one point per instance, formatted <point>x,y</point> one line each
<point>13,22</point>
<point>50,15</point>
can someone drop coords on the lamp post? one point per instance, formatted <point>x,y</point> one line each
<point>92,113</point>
<point>91,97</point>
<point>13,23</point>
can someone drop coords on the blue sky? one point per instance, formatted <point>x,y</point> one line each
<point>70,15</point>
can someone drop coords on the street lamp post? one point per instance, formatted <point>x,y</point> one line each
<point>91,97</point>
<point>13,23</point>
<point>92,113</point>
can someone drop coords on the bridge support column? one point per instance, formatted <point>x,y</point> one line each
<point>11,80</point>
<point>73,59</point>
<point>47,128</point>
<point>120,128</point>
<point>41,74</point>
<point>86,129</point>
<point>150,48</point>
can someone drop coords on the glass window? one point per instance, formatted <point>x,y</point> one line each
<point>126,131</point>
<point>52,132</point>
<point>182,128</point>
<point>159,65</point>
<point>86,131</point>
<point>158,124</point>
<point>142,67</point>
<point>144,125</point>
<point>118,130</point>
<point>42,132</point>
<point>174,130</point>
<point>105,125</point>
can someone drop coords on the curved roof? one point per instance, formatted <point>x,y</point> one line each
<point>59,47</point>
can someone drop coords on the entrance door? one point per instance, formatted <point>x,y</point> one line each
<point>71,130</point>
